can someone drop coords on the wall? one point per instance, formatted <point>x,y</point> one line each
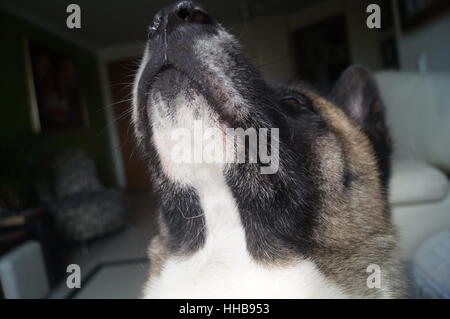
<point>15,105</point>
<point>363,42</point>
<point>431,39</point>
<point>267,40</point>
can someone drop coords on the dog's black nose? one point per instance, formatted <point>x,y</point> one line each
<point>178,14</point>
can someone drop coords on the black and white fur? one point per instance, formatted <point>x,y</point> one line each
<point>227,231</point>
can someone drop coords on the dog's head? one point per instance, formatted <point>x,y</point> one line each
<point>329,186</point>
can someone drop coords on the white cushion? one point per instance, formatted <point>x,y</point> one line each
<point>416,182</point>
<point>418,115</point>
<point>22,272</point>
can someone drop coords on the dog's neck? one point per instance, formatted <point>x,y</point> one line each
<point>194,209</point>
<point>219,202</point>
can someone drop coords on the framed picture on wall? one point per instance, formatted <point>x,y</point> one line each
<point>322,51</point>
<point>55,86</point>
<point>414,13</point>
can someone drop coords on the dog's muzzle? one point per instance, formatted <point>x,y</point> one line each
<point>173,38</point>
<point>173,31</point>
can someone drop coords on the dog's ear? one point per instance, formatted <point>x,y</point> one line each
<point>356,92</point>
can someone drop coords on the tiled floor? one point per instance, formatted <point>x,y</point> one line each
<point>116,280</point>
<point>123,281</point>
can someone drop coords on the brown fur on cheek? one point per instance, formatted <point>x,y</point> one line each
<point>355,229</point>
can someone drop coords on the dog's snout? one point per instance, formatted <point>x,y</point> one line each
<point>180,13</point>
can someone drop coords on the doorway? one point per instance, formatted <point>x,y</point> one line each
<point>322,51</point>
<point>121,75</point>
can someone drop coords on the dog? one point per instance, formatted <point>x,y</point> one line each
<point>319,227</point>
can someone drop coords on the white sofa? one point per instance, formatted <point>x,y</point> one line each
<point>418,116</point>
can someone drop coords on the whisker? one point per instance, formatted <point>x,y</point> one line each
<point>113,104</point>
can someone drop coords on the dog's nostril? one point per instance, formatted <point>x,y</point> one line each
<point>193,15</point>
<point>200,17</point>
<point>183,13</point>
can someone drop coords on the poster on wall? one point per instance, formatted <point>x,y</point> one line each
<point>55,88</point>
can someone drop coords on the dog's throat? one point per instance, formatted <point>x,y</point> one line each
<point>201,216</point>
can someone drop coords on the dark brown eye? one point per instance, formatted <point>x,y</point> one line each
<point>295,105</point>
<point>291,101</point>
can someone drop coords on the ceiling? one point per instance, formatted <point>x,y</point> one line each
<point>106,23</point>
